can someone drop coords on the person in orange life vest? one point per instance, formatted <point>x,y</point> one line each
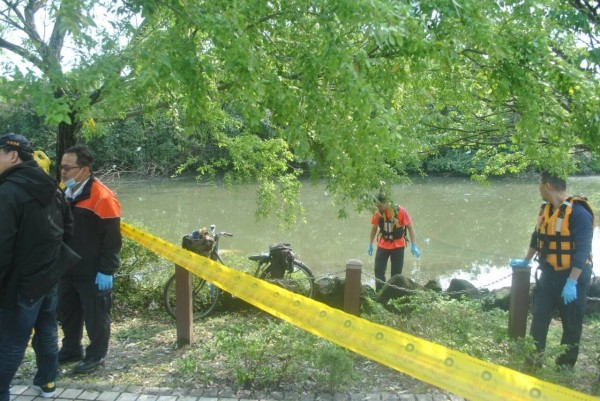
<point>85,291</point>
<point>390,223</point>
<point>562,241</point>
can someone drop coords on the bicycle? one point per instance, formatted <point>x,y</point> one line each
<point>204,295</point>
<point>295,276</point>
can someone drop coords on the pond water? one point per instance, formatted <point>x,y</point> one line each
<point>464,229</point>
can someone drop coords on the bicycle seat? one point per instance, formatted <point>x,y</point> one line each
<point>260,257</point>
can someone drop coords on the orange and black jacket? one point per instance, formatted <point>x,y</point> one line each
<point>564,235</point>
<point>97,232</point>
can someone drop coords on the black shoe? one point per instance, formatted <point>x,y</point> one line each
<point>48,390</point>
<point>563,362</point>
<point>66,358</point>
<point>88,365</point>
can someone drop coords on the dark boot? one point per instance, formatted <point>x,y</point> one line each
<point>88,365</point>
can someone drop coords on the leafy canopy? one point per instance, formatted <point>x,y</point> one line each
<point>357,92</point>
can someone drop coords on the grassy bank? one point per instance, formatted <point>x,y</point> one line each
<point>251,350</point>
<point>248,349</point>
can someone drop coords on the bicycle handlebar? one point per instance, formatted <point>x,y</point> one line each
<point>216,235</point>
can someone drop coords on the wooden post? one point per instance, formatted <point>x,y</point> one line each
<point>519,302</point>
<point>183,306</point>
<point>352,286</point>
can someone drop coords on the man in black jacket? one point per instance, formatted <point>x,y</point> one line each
<point>85,292</point>
<point>34,222</point>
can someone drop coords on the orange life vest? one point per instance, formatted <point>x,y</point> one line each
<point>390,228</point>
<point>555,243</point>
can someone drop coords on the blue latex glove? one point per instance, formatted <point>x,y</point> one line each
<point>370,250</point>
<point>519,262</point>
<point>414,250</point>
<point>104,281</point>
<point>569,292</point>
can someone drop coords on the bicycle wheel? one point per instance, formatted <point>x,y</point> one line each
<point>205,297</point>
<point>300,280</point>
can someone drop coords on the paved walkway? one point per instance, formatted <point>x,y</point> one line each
<point>20,392</point>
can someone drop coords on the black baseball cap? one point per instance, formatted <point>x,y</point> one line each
<point>15,142</point>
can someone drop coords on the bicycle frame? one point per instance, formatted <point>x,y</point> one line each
<point>299,279</point>
<point>263,260</point>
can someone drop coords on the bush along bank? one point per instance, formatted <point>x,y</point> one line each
<point>330,290</point>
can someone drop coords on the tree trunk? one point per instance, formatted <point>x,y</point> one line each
<point>68,134</point>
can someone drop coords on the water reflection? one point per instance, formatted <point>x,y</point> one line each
<point>492,277</point>
<point>464,229</point>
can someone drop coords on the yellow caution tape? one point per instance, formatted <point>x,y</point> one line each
<point>450,370</point>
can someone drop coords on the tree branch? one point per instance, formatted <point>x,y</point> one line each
<point>14,9</point>
<point>133,113</point>
<point>29,26</point>
<point>591,12</point>
<point>32,58</point>
<point>57,37</point>
<point>264,19</point>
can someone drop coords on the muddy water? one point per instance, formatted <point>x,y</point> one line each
<point>464,229</point>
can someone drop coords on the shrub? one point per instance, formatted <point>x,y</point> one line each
<point>261,353</point>
<point>459,325</point>
<point>335,366</point>
<point>140,279</point>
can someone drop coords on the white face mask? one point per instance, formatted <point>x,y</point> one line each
<point>71,183</point>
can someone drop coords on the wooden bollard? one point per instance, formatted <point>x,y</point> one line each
<point>352,287</point>
<point>519,302</point>
<point>183,306</point>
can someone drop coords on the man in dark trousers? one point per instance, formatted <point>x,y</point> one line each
<point>34,222</point>
<point>85,291</point>
<point>389,225</point>
<point>562,242</point>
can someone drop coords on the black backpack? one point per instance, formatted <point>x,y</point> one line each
<point>282,259</point>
